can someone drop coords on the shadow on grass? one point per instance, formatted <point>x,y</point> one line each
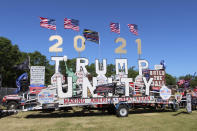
<point>140,111</point>
<point>182,112</point>
<point>59,114</point>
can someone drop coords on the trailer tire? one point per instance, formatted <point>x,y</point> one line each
<point>12,105</point>
<point>122,111</point>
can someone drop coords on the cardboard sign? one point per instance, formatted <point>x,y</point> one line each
<point>37,75</point>
<point>165,93</point>
<point>158,79</point>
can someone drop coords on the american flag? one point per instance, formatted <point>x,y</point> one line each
<point>48,23</point>
<point>133,28</point>
<point>115,27</point>
<point>71,24</point>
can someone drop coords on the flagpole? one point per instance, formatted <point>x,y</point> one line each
<point>29,61</point>
<point>99,47</point>
<point>119,36</point>
<point>78,51</point>
<point>78,54</point>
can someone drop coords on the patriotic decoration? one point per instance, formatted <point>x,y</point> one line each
<point>48,23</point>
<point>91,35</point>
<point>71,24</point>
<point>133,28</point>
<point>115,27</point>
<point>163,64</point>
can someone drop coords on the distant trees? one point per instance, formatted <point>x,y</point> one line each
<point>10,55</point>
<point>37,59</point>
<point>170,80</point>
<point>189,80</point>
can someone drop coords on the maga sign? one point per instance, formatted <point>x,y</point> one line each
<point>165,93</point>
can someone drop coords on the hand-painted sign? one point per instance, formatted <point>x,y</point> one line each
<point>165,93</point>
<point>37,75</point>
<point>108,100</point>
<point>158,79</point>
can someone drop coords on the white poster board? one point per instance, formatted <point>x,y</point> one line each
<point>37,75</point>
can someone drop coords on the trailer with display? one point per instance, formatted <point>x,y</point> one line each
<point>115,94</point>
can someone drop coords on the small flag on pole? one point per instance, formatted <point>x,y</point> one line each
<point>91,35</point>
<point>48,23</point>
<point>71,24</point>
<point>115,27</point>
<point>133,28</point>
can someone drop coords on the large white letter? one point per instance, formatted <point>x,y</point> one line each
<point>86,85</point>
<point>57,60</point>
<point>81,63</point>
<point>121,62</point>
<point>126,82</point>
<point>141,67</point>
<point>104,67</point>
<point>61,94</point>
<point>147,85</point>
<point>102,79</point>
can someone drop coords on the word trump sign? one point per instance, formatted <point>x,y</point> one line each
<point>158,78</point>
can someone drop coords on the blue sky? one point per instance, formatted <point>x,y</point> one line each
<point>167,29</point>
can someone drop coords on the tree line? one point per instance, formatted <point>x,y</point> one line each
<point>11,56</point>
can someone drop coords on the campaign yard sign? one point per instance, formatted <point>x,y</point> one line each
<point>165,93</point>
<point>158,79</point>
<point>37,75</point>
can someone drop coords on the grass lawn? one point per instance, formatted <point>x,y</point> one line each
<point>140,120</point>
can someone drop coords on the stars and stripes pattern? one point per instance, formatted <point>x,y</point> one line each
<point>133,28</point>
<point>115,27</point>
<point>71,24</point>
<point>48,23</point>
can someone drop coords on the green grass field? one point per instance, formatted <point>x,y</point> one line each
<point>140,120</point>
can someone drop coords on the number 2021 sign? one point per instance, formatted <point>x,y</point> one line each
<point>120,50</point>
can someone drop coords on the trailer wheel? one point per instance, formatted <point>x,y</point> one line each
<point>12,105</point>
<point>122,111</point>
